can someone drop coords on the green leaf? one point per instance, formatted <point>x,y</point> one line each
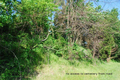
<point>1,25</point>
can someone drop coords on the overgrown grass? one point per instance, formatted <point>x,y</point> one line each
<point>58,68</point>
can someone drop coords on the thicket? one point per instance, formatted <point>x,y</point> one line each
<point>28,34</point>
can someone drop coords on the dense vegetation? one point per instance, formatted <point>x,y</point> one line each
<point>78,31</point>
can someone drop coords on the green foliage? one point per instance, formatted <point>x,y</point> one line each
<point>24,43</point>
<point>107,31</point>
<point>18,25</point>
<point>81,53</point>
<point>56,45</point>
<point>98,9</point>
<point>107,45</point>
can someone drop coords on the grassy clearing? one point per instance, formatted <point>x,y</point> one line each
<point>58,68</point>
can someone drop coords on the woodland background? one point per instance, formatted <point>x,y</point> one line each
<point>29,34</point>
